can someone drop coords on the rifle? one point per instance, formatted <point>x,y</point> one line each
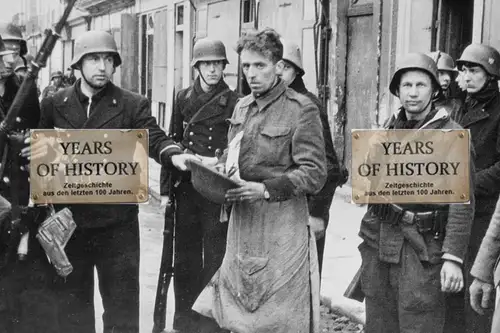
<point>28,84</point>
<point>167,260</point>
<point>166,266</point>
<point>354,290</point>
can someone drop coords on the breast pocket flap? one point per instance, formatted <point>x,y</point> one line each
<point>275,131</point>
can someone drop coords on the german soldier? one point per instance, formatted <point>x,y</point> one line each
<point>447,74</point>
<point>412,254</point>
<point>291,71</point>
<point>56,84</point>
<point>480,67</point>
<point>198,129</point>
<point>107,236</point>
<point>14,41</point>
<point>26,301</point>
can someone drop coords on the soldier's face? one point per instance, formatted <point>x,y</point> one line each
<point>286,71</point>
<point>98,68</point>
<point>211,71</point>
<point>6,66</point>
<point>444,79</point>
<point>259,70</point>
<point>475,78</point>
<point>415,91</point>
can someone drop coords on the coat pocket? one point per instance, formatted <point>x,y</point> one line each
<point>274,145</point>
<point>250,282</point>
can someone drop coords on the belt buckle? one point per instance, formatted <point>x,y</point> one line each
<point>408,217</point>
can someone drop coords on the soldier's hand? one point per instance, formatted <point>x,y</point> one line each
<point>181,161</point>
<point>208,161</point>
<point>452,279</point>
<point>248,191</point>
<point>38,149</point>
<point>317,225</point>
<point>480,295</point>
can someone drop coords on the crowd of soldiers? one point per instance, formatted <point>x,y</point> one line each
<point>253,263</point>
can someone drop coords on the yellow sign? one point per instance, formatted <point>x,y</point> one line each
<point>410,166</point>
<point>89,166</point>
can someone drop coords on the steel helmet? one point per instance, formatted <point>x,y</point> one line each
<point>13,33</point>
<point>95,41</point>
<point>291,54</point>
<point>443,60</point>
<point>483,55</point>
<point>418,61</point>
<point>55,74</point>
<point>208,50</point>
<point>3,49</point>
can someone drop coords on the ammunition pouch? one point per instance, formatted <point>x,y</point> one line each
<point>425,222</point>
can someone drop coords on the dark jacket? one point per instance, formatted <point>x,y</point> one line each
<point>29,118</point>
<point>319,204</point>
<point>481,115</point>
<point>206,132</point>
<point>389,238</point>
<point>117,109</point>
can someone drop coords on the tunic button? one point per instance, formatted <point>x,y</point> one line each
<point>191,133</point>
<point>209,147</point>
<point>209,138</point>
<point>190,143</point>
<point>210,129</point>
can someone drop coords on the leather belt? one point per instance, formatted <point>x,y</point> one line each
<point>429,221</point>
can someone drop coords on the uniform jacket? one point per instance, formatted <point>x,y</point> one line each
<point>319,204</point>
<point>117,109</point>
<point>389,239</point>
<point>481,115</point>
<point>29,118</point>
<point>207,131</point>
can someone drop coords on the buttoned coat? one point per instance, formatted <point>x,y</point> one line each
<point>118,109</point>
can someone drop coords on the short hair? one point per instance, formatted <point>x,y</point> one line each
<point>266,42</point>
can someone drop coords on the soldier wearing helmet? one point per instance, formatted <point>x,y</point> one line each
<point>480,68</point>
<point>291,71</point>
<point>446,74</point>
<point>409,262</point>
<point>198,129</point>
<point>14,41</point>
<point>26,298</point>
<point>107,236</point>
<point>56,84</point>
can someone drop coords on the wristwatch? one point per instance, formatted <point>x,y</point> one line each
<point>267,196</point>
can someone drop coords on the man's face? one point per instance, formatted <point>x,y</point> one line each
<point>444,79</point>
<point>98,68</point>
<point>211,71</point>
<point>415,91</point>
<point>259,70</point>
<point>57,81</point>
<point>475,78</point>
<point>286,71</point>
<point>13,45</point>
<point>6,65</point>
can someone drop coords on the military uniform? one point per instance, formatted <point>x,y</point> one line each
<point>200,238</point>
<point>107,236</point>
<point>27,303</point>
<point>481,115</point>
<point>404,245</point>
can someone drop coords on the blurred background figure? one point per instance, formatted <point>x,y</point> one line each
<point>56,84</point>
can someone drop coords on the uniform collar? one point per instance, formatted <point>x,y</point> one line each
<point>95,98</point>
<point>268,97</point>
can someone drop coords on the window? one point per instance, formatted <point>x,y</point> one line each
<point>248,8</point>
<point>147,27</point>
<point>180,15</point>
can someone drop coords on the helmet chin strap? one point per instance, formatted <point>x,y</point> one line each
<point>90,84</point>
<point>208,84</point>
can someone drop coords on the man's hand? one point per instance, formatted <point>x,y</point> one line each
<point>208,161</point>
<point>39,149</point>
<point>317,225</point>
<point>480,295</point>
<point>452,279</point>
<point>248,191</point>
<point>181,161</point>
